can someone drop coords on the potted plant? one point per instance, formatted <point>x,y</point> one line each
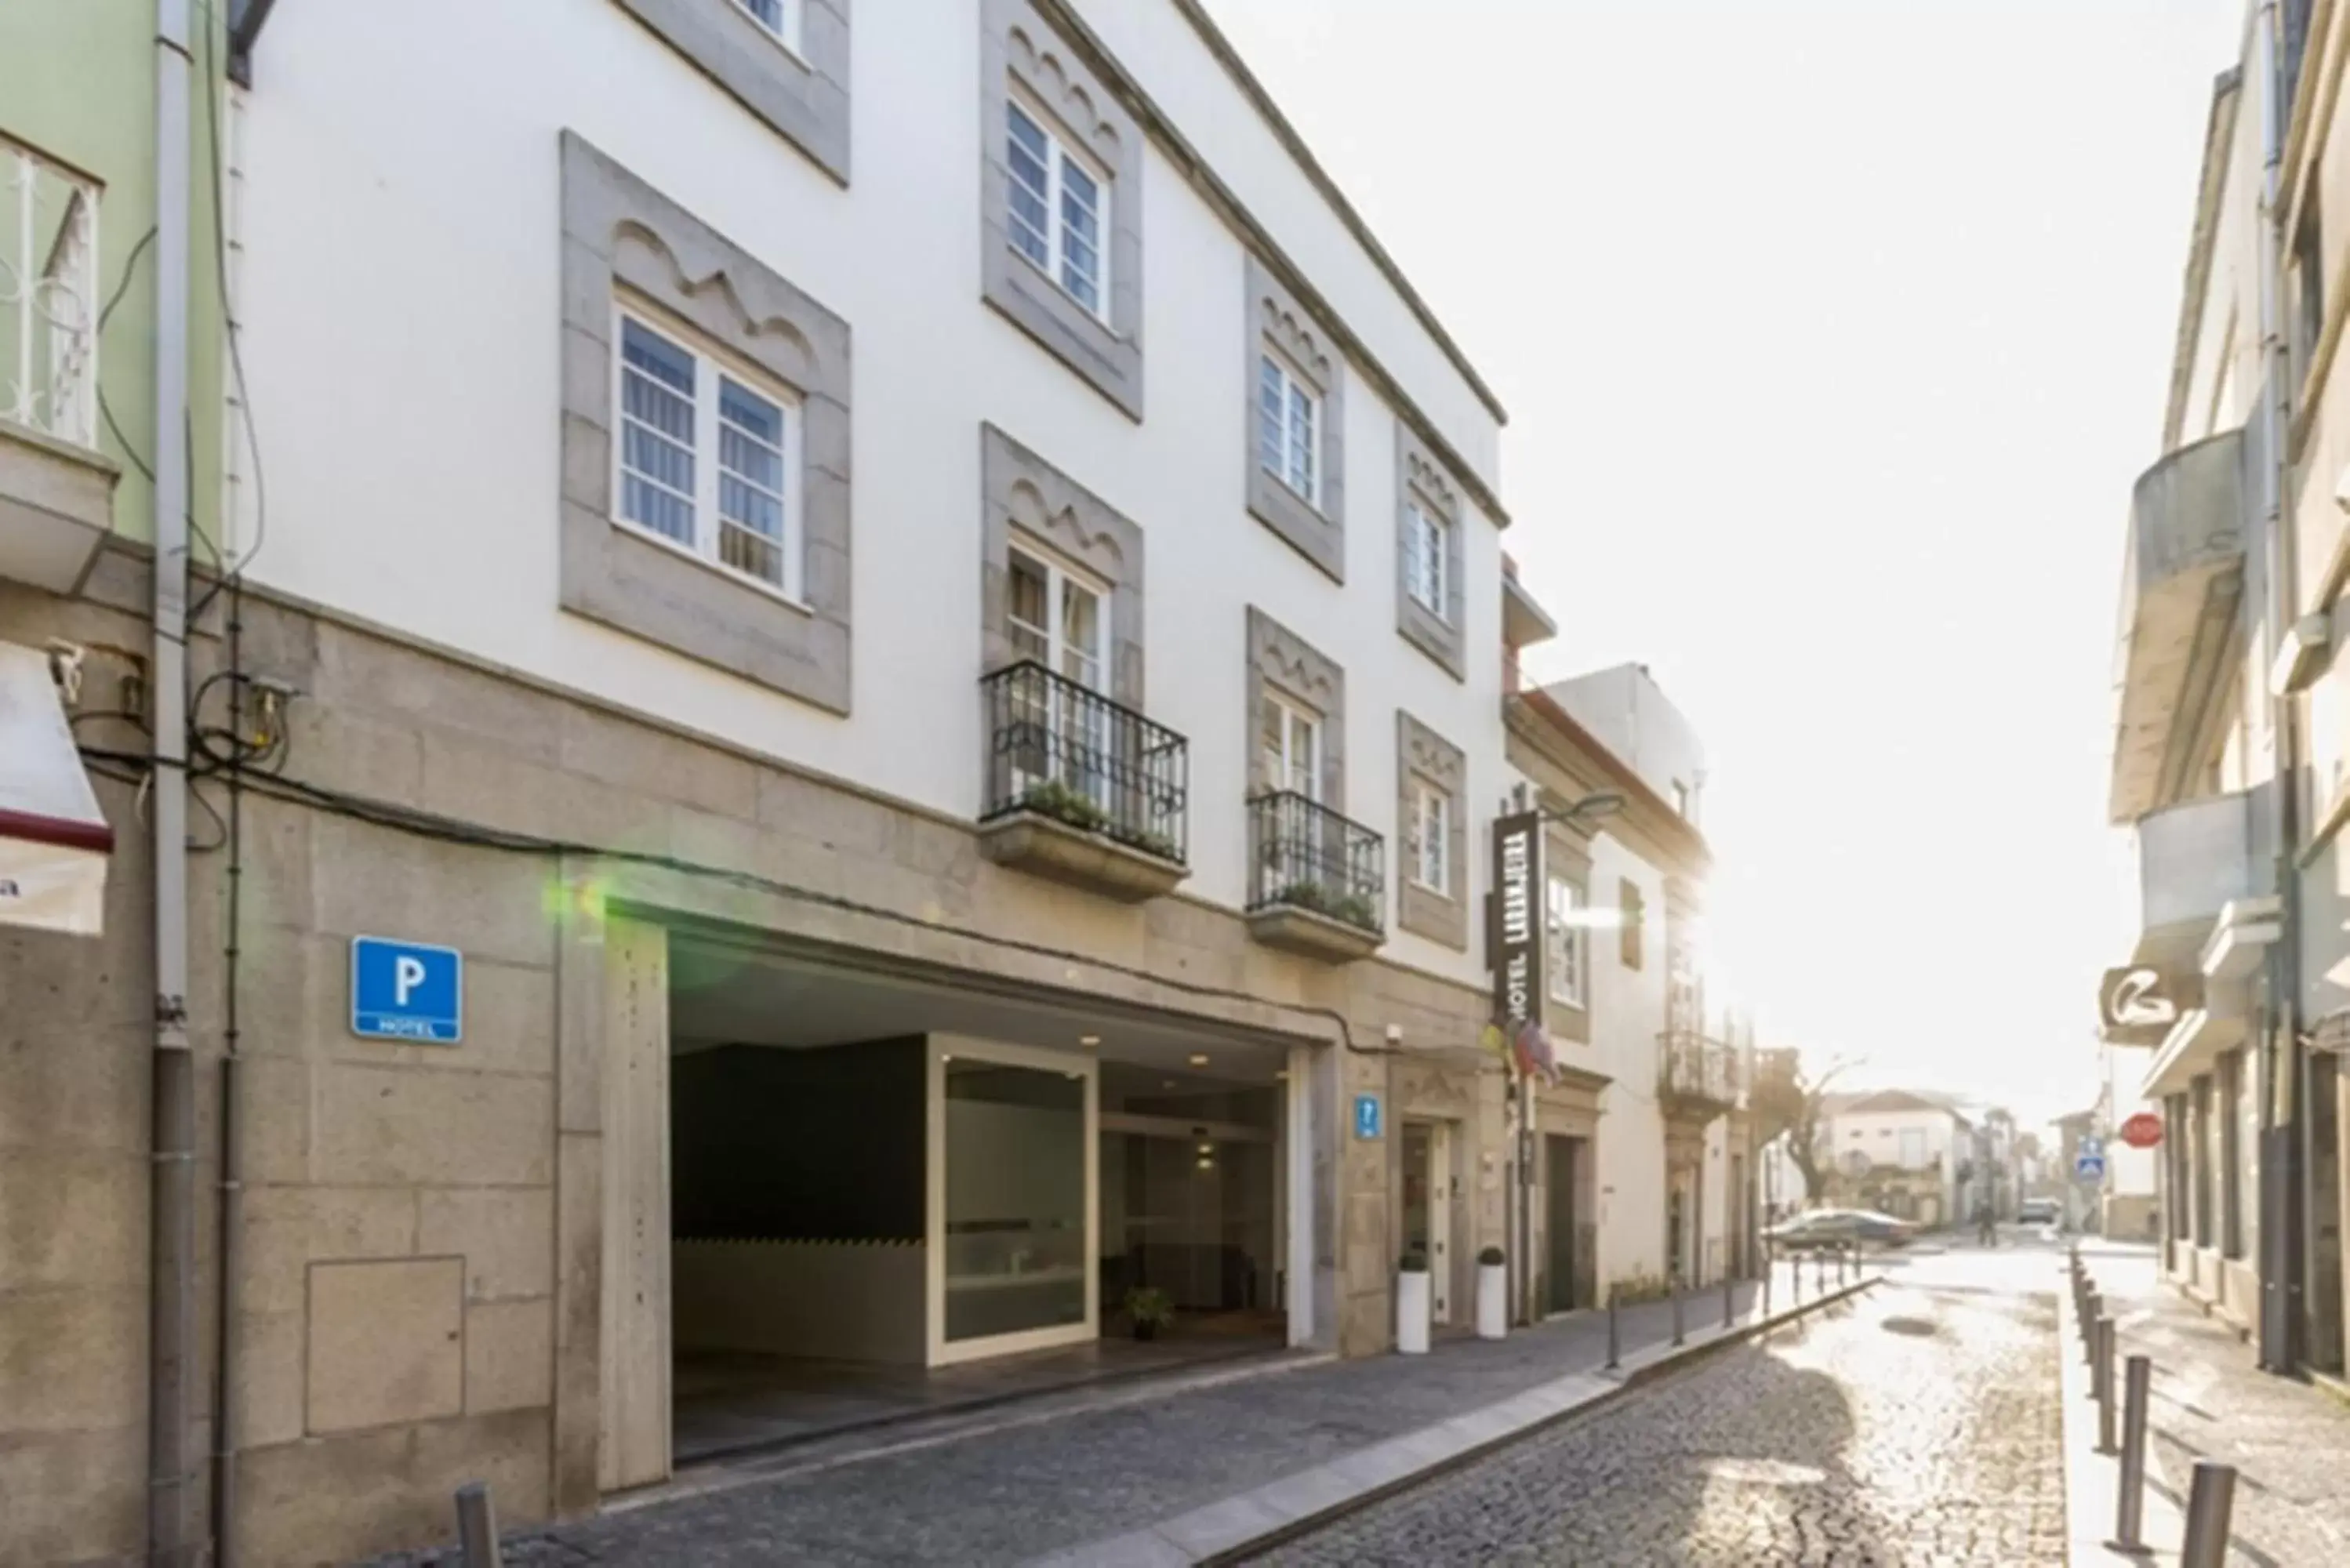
<point>1149,1309</point>
<point>1493,1293</point>
<point>1412,1304</point>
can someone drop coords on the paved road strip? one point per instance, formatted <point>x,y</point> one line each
<point>1236,1527</point>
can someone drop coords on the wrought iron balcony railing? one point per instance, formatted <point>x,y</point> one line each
<point>1304,856</point>
<point>1692,1067</point>
<point>48,296</point>
<point>1065,752</point>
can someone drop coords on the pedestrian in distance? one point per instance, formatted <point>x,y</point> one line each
<point>1986,1227</point>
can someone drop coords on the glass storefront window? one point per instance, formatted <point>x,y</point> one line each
<point>1016,1198</point>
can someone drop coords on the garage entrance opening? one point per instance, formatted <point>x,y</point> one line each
<point>892,1198</point>
<point>1191,1206</point>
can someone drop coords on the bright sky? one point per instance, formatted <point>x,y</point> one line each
<point>1833,334</point>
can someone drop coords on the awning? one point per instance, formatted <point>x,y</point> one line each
<point>53,841</point>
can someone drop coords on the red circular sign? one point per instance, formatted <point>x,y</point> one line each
<point>2142,1131</point>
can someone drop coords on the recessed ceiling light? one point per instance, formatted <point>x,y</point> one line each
<point>1207,1148</point>
<point>1198,1059</point>
<point>1166,1083</point>
<point>1088,1039</point>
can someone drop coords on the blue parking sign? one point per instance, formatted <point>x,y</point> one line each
<point>407,990</point>
<point>1367,1116</point>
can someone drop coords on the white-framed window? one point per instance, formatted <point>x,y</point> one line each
<point>1427,538</point>
<point>1059,207</point>
<point>1059,616</point>
<point>1913,1148</point>
<point>708,455</point>
<point>1568,934</point>
<point>1292,748</point>
<point>1431,837</point>
<point>1288,426</point>
<point>779,19</point>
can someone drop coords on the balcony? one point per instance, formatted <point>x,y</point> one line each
<point>1317,881</point>
<point>2201,866</point>
<point>2183,580</point>
<point>1081,789</point>
<point>1697,1078</point>
<point>57,491</point>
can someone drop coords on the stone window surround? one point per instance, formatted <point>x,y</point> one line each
<point>621,238</point>
<point>1021,494</point>
<point>1018,47</point>
<point>1421,754</point>
<point>1420,477</point>
<point>1566,857</point>
<point>1276,323</point>
<point>803,95</point>
<point>1281,662</point>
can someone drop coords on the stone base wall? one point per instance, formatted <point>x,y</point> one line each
<point>422,1244</point>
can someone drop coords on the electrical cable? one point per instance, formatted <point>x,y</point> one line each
<point>451,830</point>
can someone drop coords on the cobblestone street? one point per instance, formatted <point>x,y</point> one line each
<point>1920,1426</point>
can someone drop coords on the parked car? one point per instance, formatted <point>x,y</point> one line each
<point>1823,1229</point>
<point>2039,1211</point>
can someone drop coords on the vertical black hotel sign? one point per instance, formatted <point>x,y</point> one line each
<point>1517,923</point>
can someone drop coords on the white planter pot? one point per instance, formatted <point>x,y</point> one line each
<point>1492,1300</point>
<point>1411,1313</point>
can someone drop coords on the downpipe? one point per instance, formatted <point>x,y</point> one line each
<point>173,1537</point>
<point>2287,1079</point>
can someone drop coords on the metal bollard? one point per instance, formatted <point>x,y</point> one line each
<point>1728,1309</point>
<point>2101,1385</point>
<point>2094,1309</point>
<point>1819,1270</point>
<point>2129,1511</point>
<point>1769,1268</point>
<point>477,1527</point>
<point>2208,1503</point>
<point>1844,1262</point>
<point>1614,1344</point>
<point>1677,1309</point>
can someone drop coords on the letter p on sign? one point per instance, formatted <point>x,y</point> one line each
<point>414,992</point>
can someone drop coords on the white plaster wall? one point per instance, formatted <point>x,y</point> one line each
<point>1626,712</point>
<point>1628,1014</point>
<point>401,230</point>
<point>1159,46</point>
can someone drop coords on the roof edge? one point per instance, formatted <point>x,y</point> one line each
<point>2219,126</point>
<point>1254,91</point>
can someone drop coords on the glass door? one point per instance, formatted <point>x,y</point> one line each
<point>1061,621</point>
<point>1012,1207</point>
<point>1427,1209</point>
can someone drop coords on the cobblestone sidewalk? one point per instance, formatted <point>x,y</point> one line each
<point>1009,1493</point>
<point>1917,1426</point>
<point>2290,1442</point>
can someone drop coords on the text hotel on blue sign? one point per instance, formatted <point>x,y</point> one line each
<point>407,990</point>
<point>1367,1116</point>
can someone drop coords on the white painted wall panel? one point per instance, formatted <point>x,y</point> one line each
<point>402,309</point>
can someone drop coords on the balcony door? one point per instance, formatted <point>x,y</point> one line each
<point>1293,762</point>
<point>1060,617</point>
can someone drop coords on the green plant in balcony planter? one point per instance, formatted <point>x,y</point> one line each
<point>1059,801</point>
<point>1413,1262</point>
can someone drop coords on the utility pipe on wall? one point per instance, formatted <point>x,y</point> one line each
<point>173,1540</point>
<point>2286,1056</point>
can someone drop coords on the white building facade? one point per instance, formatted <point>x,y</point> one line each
<point>917,611</point>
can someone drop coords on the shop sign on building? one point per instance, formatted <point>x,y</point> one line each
<point>2138,1004</point>
<point>1518,908</point>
